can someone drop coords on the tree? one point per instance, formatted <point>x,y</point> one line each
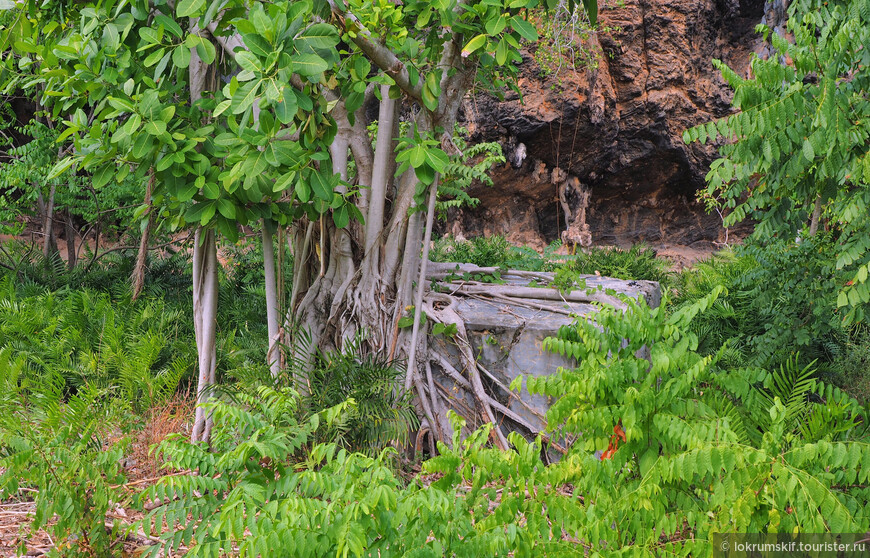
<point>796,154</point>
<point>264,127</point>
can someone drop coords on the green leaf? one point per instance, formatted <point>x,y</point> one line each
<point>524,28</point>
<point>496,25</point>
<point>437,159</point>
<point>227,208</point>
<point>591,7</point>
<point>187,8</point>
<point>309,64</point>
<point>318,36</point>
<point>341,217</point>
<point>169,24</point>
<point>808,151</point>
<point>286,109</point>
<point>431,91</point>
<point>473,45</point>
<point>258,45</point>
<point>206,51</point>
<point>321,186</point>
<point>155,127</point>
<point>221,107</point>
<point>245,96</point>
<point>181,57</point>
<point>501,52</point>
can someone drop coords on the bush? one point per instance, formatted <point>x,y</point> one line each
<point>664,452</point>
<point>781,299</point>
<point>640,262</point>
<point>381,415</point>
<point>492,251</point>
<point>59,450</point>
<point>685,449</point>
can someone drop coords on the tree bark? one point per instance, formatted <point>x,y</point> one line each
<point>273,354</point>
<point>205,286</point>
<point>50,246</point>
<point>71,258</point>
<point>142,255</point>
<point>205,295</point>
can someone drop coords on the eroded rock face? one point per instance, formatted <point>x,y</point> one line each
<point>617,128</point>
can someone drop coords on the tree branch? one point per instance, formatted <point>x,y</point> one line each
<point>383,57</point>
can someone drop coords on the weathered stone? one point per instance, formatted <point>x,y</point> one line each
<point>507,341</point>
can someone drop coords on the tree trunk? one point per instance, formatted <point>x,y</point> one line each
<point>205,287</point>
<point>273,354</point>
<point>50,246</point>
<point>71,258</point>
<point>205,295</point>
<point>142,255</point>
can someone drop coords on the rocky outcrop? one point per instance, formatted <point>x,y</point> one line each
<point>615,129</point>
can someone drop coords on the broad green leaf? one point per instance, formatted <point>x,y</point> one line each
<point>206,51</point>
<point>248,61</point>
<point>187,8</point>
<point>155,127</point>
<point>309,64</point>
<point>227,208</point>
<point>181,57</point>
<point>245,95</point>
<point>258,45</point>
<point>60,167</point>
<point>169,24</point>
<point>437,159</point>
<point>524,28</point>
<point>222,106</point>
<point>501,52</point>
<point>321,187</point>
<point>473,45</point>
<point>341,217</point>
<point>318,36</point>
<point>286,109</point>
<point>495,25</point>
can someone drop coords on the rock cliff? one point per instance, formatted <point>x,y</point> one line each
<point>602,145</point>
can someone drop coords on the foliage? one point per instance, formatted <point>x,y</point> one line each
<point>56,448</point>
<point>24,179</point>
<point>492,251</point>
<point>471,163</point>
<point>637,263</point>
<point>801,136</point>
<point>90,340</point>
<point>685,449</point>
<point>778,302</point>
<point>381,415</point>
<point>257,494</point>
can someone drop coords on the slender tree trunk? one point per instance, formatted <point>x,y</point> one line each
<point>205,286</point>
<point>273,355</point>
<point>142,255</point>
<point>50,245</point>
<point>205,295</point>
<point>817,213</point>
<point>71,258</point>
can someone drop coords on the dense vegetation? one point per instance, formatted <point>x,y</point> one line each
<point>739,404</point>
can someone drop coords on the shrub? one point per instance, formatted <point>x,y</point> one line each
<point>59,450</point>
<point>685,449</point>
<point>640,262</point>
<point>781,299</point>
<point>381,415</point>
